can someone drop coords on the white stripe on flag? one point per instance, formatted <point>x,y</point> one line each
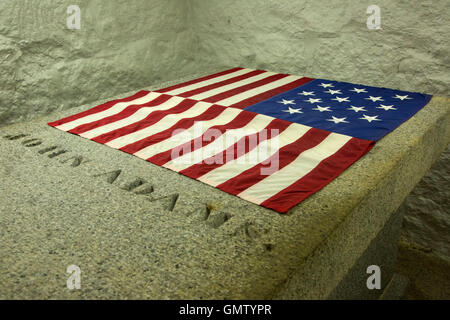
<point>294,171</point>
<point>220,144</point>
<point>212,92</point>
<point>161,125</point>
<point>253,92</point>
<point>208,82</point>
<point>239,165</point>
<point>119,107</point>
<point>137,116</point>
<point>195,131</point>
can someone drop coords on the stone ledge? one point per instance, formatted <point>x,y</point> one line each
<point>371,196</point>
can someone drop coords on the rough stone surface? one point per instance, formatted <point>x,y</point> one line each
<point>427,210</point>
<point>428,273</point>
<point>330,39</point>
<point>121,46</point>
<point>171,237</point>
<point>397,288</point>
<point>381,252</point>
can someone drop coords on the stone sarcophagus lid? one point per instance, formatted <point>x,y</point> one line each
<point>158,229</point>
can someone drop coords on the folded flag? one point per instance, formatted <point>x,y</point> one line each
<point>272,139</point>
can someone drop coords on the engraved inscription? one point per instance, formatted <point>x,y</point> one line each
<point>110,176</point>
<point>32,143</point>
<point>211,215</point>
<point>15,137</point>
<point>134,184</point>
<point>171,200</point>
<point>76,161</point>
<point>53,154</point>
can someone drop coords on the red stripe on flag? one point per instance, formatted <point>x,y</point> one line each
<point>284,156</point>
<point>184,84</point>
<point>221,83</point>
<point>182,124</point>
<point>197,170</point>
<point>150,120</point>
<point>233,92</point>
<point>98,108</point>
<point>240,121</point>
<point>271,93</point>
<point>130,110</point>
<point>324,173</point>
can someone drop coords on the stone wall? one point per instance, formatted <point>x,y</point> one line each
<point>330,39</point>
<point>125,45</point>
<point>427,210</point>
<point>121,46</point>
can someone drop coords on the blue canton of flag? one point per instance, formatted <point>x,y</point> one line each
<point>359,111</point>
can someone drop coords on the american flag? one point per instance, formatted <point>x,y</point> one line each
<point>272,139</point>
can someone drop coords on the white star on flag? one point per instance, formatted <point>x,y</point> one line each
<point>326,85</point>
<point>338,120</point>
<point>370,118</point>
<point>356,109</point>
<point>333,91</point>
<point>307,93</point>
<point>292,110</point>
<point>382,106</point>
<point>374,99</point>
<point>322,109</point>
<point>312,100</point>
<point>341,99</point>
<point>285,102</point>
<point>402,97</point>
<point>357,90</point>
